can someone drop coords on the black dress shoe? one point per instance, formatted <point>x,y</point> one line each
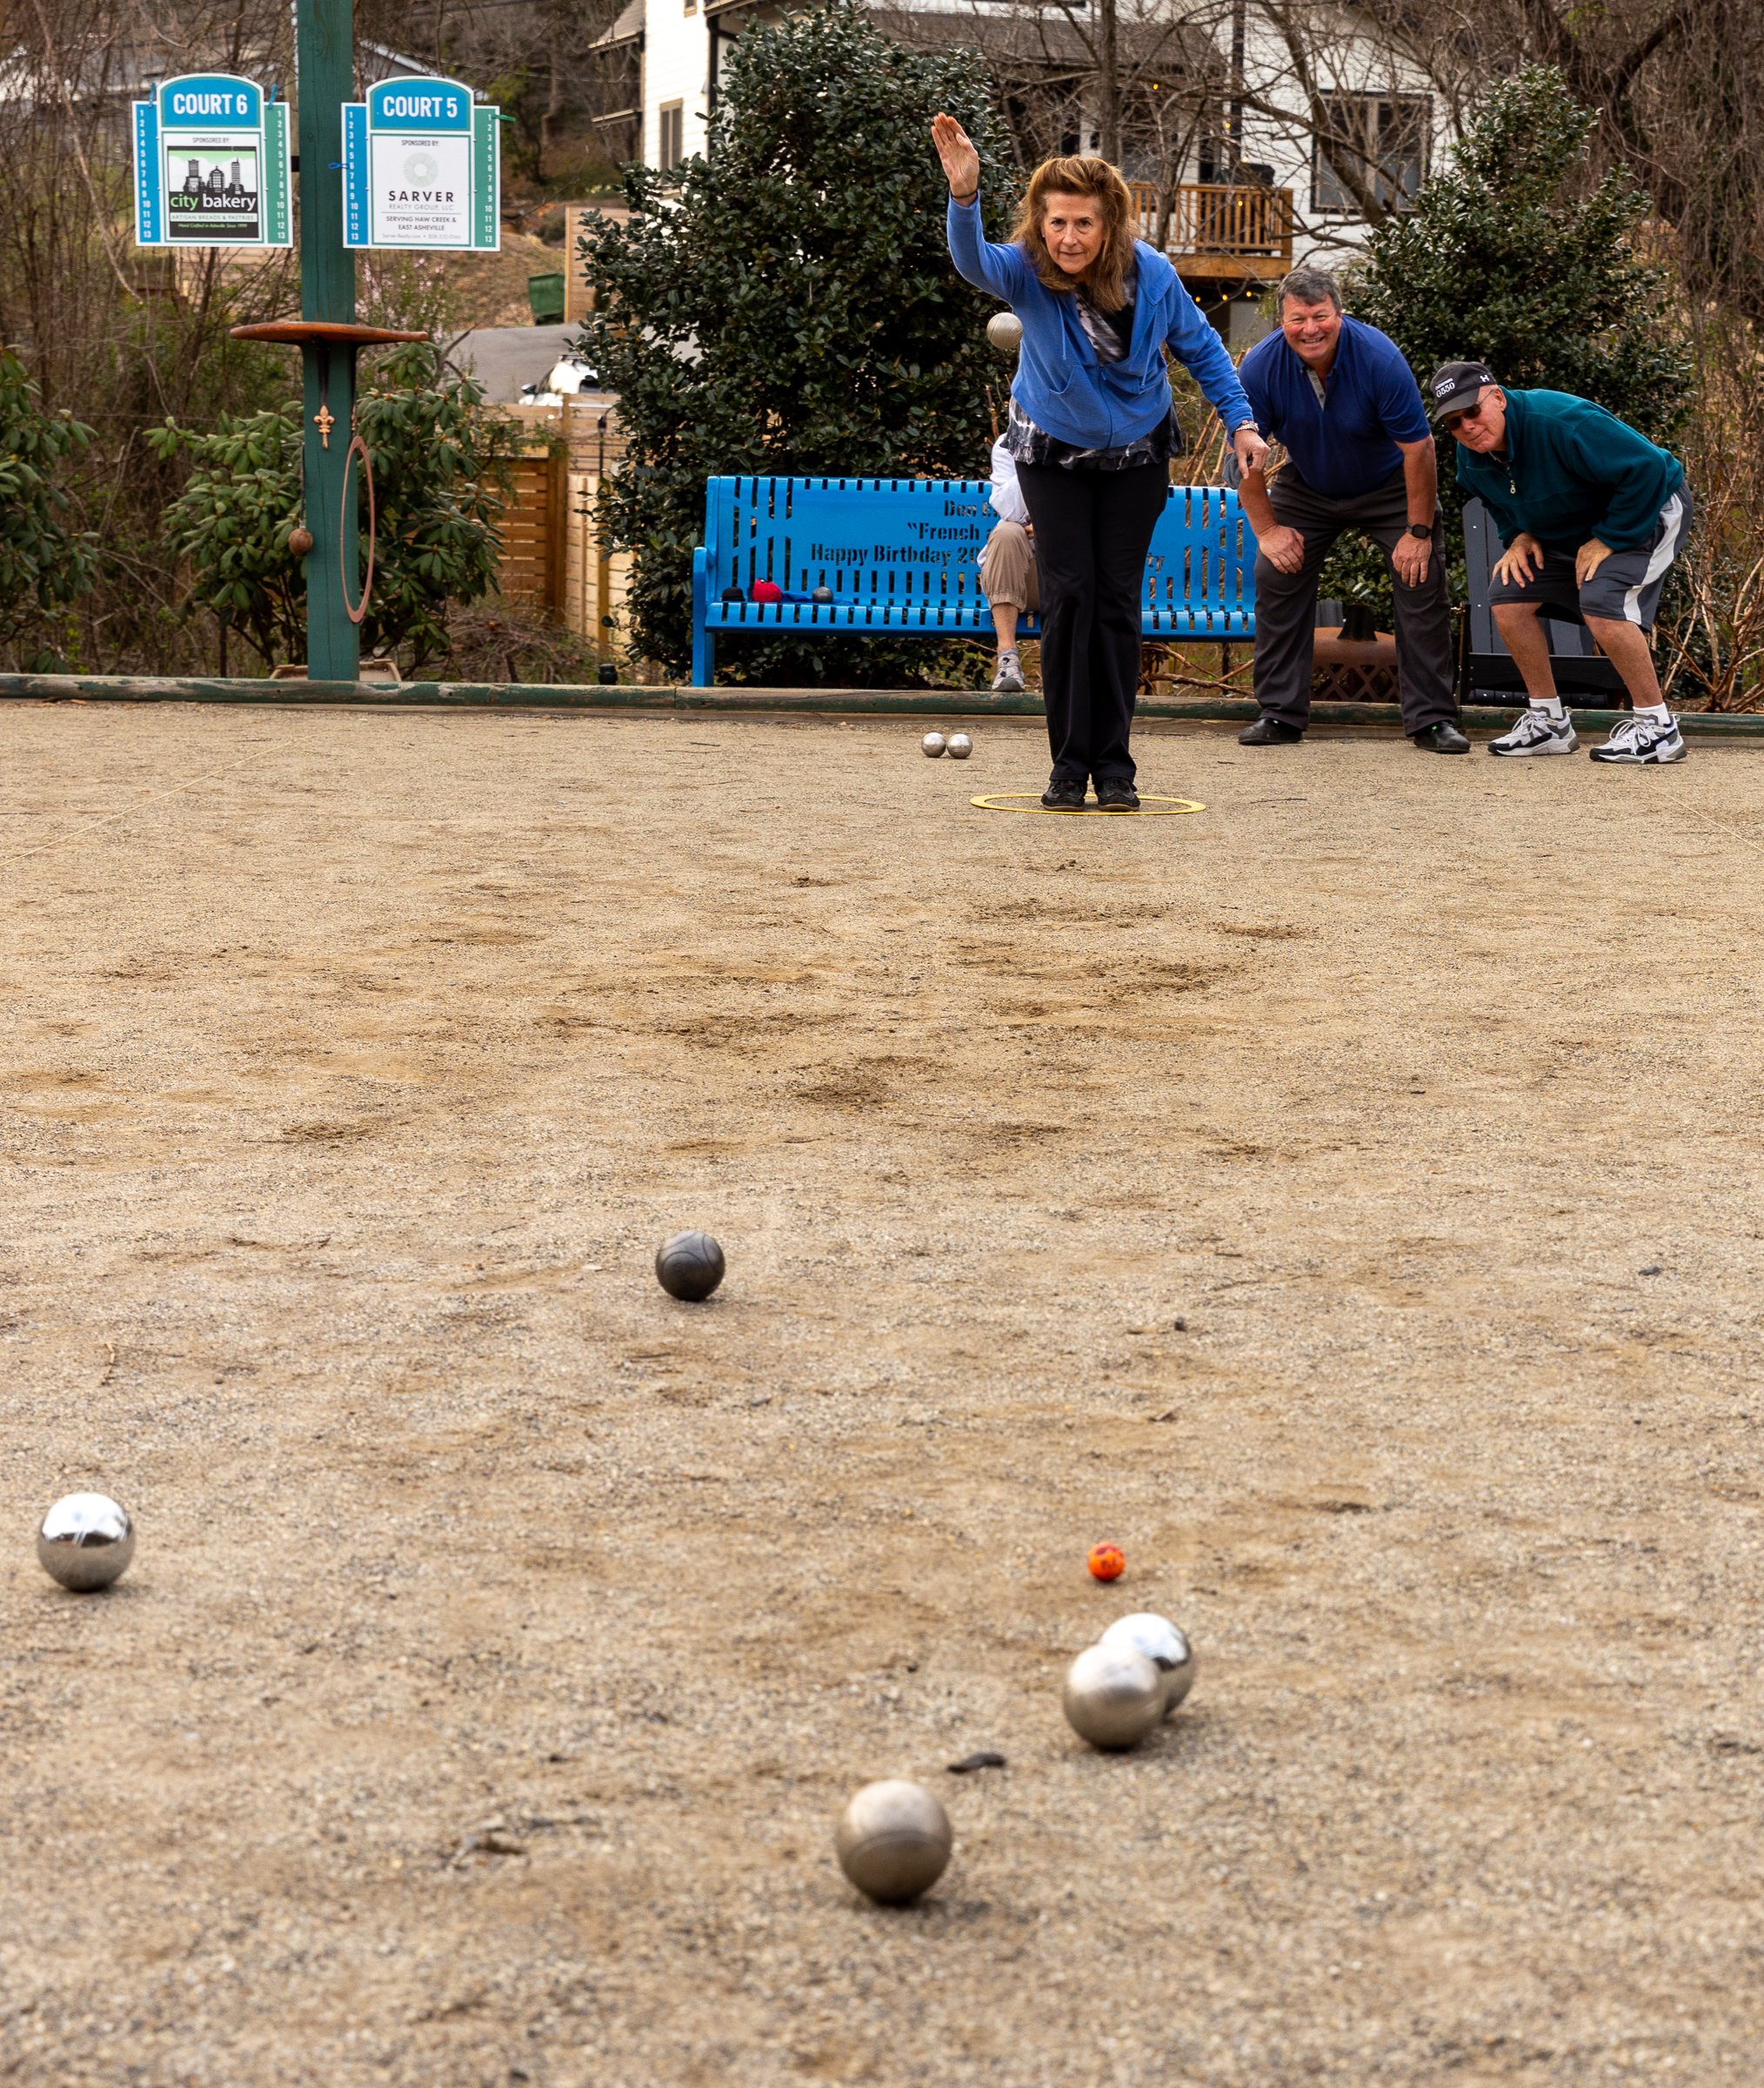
<point>1115,793</point>
<point>1062,795</point>
<point>1269,732</point>
<point>1441,739</point>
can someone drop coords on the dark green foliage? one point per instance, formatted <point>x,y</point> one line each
<point>788,305</point>
<point>44,564</point>
<point>439,467</point>
<point>1512,256</point>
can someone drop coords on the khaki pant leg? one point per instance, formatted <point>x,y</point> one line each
<point>1007,567</point>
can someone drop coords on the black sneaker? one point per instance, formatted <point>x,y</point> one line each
<point>1269,732</point>
<point>1115,793</point>
<point>1062,795</point>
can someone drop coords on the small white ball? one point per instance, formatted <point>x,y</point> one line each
<point>959,746</point>
<point>85,1542</point>
<point>933,744</point>
<point>1113,1696</point>
<point>1164,1644</point>
<point>893,1840</point>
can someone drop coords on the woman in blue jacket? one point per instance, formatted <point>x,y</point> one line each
<point>1092,430</point>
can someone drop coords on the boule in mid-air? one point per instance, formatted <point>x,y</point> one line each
<point>1113,1696</point>
<point>893,1840</point>
<point>1164,1644</point>
<point>1005,331</point>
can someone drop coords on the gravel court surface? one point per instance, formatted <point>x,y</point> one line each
<point>504,1638</point>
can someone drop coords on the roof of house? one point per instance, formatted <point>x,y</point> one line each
<point>626,29</point>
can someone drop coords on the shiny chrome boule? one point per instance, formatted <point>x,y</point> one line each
<point>959,746</point>
<point>689,1266</point>
<point>932,745</point>
<point>893,1841</point>
<point>1005,331</point>
<point>1114,1696</point>
<point>1164,1644</point>
<point>86,1541</point>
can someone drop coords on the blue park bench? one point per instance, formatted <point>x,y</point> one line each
<point>903,555</point>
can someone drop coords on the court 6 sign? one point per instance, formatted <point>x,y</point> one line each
<point>421,167</point>
<point>211,165</point>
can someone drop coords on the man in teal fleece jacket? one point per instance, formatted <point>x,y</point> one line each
<point>1591,515</point>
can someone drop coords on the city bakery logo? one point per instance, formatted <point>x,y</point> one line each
<point>217,188</point>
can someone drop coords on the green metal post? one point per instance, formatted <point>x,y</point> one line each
<point>325,60</point>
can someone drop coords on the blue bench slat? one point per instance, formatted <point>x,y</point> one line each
<point>903,554</point>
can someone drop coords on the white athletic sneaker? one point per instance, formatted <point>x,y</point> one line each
<point>1009,678</point>
<point>1639,740</point>
<point>1537,732</point>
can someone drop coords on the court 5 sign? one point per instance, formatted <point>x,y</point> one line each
<point>421,167</point>
<point>211,165</point>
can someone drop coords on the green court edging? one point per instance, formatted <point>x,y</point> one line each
<point>838,703</point>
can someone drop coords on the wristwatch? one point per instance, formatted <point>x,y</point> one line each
<point>1424,529</point>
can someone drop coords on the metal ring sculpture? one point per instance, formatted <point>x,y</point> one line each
<point>356,614</point>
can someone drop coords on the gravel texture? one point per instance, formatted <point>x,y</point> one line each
<point>1347,1200</point>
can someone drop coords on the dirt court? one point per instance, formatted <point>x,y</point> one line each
<point>1348,1200</point>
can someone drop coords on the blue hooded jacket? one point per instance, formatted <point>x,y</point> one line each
<point>1062,384</point>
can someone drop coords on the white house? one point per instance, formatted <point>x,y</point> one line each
<point>1258,190</point>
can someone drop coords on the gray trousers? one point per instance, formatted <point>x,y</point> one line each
<point>1287,604</point>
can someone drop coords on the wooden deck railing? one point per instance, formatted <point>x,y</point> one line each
<point>1219,230</point>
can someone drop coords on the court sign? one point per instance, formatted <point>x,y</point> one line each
<point>422,167</point>
<point>211,165</point>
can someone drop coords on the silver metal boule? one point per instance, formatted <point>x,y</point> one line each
<point>893,1840</point>
<point>933,744</point>
<point>1113,1696</point>
<point>1005,331</point>
<point>86,1541</point>
<point>959,746</point>
<point>1161,1642</point>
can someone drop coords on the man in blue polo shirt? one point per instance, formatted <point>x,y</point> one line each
<point>1361,456</point>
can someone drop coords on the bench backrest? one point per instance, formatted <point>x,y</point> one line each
<point>917,541</point>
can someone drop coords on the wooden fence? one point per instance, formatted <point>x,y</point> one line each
<point>554,557</point>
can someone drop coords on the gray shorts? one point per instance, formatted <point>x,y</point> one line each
<point>1626,588</point>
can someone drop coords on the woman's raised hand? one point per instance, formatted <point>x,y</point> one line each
<point>961,163</point>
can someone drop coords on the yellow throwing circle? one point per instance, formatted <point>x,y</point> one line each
<point>1030,801</point>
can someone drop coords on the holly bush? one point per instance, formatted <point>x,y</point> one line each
<point>1515,256</point>
<point>440,467</point>
<point>787,305</point>
<point>44,562</point>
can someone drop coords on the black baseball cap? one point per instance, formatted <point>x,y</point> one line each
<point>1456,386</point>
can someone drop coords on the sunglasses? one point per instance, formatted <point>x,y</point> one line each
<point>1453,422</point>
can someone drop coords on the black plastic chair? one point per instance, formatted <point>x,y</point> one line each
<point>1487,672</point>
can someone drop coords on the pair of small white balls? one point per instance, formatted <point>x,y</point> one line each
<point>958,746</point>
<point>1133,1678</point>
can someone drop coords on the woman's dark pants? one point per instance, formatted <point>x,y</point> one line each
<point>1093,530</point>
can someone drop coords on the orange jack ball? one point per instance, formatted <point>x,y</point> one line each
<point>1107,1562</point>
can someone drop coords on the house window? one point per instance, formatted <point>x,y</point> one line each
<point>671,142</point>
<point>691,7</point>
<point>1383,143</point>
